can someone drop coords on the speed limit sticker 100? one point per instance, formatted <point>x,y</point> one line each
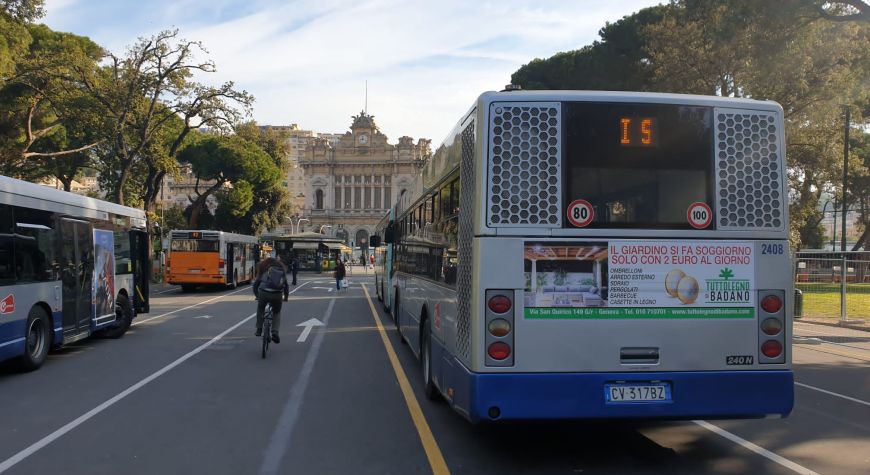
<point>699,215</point>
<point>580,213</point>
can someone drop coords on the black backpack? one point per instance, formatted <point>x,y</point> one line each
<point>273,280</point>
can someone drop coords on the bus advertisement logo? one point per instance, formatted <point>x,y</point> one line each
<point>727,289</point>
<point>7,305</point>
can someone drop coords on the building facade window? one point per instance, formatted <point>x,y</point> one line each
<point>318,199</point>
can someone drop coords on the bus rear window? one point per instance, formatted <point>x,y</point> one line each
<point>638,165</point>
<point>194,245</point>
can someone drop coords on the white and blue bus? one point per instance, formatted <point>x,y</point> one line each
<point>70,266</point>
<point>601,255</point>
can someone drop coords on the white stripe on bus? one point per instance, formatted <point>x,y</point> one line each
<point>11,342</point>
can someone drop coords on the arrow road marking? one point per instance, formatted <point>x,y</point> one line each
<point>308,326</point>
<point>323,288</point>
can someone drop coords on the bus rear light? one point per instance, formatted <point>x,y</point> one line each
<point>771,349</point>
<point>499,304</point>
<point>771,326</point>
<point>499,327</point>
<point>771,304</point>
<point>221,263</point>
<point>499,351</point>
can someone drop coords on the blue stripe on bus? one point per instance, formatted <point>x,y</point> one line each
<point>695,394</point>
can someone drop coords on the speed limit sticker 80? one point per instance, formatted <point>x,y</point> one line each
<point>699,215</point>
<point>580,213</point>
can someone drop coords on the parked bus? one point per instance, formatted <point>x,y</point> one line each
<point>383,252</point>
<point>70,266</point>
<point>210,258</point>
<point>602,255</point>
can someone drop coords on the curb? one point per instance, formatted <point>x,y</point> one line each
<point>863,328</point>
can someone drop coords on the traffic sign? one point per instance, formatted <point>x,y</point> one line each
<point>699,215</point>
<point>580,213</point>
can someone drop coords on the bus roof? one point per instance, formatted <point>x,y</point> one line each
<point>624,96</point>
<point>185,233</point>
<point>23,193</point>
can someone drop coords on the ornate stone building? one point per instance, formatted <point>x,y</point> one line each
<point>349,186</point>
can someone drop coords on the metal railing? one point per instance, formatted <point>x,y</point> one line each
<point>833,284</point>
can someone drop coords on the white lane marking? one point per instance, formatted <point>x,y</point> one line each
<point>204,316</point>
<point>759,450</point>
<point>280,439</point>
<point>164,291</point>
<point>832,393</point>
<point>15,459</point>
<point>200,303</point>
<point>308,324</point>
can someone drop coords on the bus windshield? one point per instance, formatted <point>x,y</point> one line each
<point>194,245</point>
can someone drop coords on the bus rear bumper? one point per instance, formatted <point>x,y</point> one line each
<point>693,395</point>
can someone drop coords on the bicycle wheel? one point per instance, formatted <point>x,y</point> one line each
<point>267,332</point>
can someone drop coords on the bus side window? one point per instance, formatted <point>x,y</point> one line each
<point>35,244</point>
<point>7,264</point>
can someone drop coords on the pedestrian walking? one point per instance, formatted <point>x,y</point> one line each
<point>294,268</point>
<point>340,273</point>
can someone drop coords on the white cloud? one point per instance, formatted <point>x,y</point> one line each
<point>307,61</point>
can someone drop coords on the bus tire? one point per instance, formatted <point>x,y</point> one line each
<point>187,288</point>
<point>37,340</point>
<point>123,316</point>
<point>379,289</point>
<point>429,388</point>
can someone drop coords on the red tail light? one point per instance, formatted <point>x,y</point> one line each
<point>771,348</point>
<point>222,263</point>
<point>499,304</point>
<point>499,350</point>
<point>771,304</point>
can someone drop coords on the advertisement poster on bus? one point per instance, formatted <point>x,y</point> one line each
<point>104,273</point>
<point>639,279</point>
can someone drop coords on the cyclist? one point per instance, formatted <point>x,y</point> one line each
<point>270,284</point>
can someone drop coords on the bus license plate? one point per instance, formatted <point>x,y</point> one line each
<point>637,392</point>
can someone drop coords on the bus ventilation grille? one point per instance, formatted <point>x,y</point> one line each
<point>524,167</point>
<point>748,170</point>
<point>466,236</point>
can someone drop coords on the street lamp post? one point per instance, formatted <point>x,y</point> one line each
<point>298,222</point>
<point>324,226</point>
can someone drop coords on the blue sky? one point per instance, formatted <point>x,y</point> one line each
<point>307,61</point>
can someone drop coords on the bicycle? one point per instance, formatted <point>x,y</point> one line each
<point>267,329</point>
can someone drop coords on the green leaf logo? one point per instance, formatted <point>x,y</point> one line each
<point>726,273</point>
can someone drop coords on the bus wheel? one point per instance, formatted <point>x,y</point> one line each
<point>37,340</point>
<point>429,387</point>
<point>379,289</point>
<point>187,288</point>
<point>123,318</point>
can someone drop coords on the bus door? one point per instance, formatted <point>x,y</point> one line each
<point>230,261</point>
<point>141,270</point>
<point>77,276</point>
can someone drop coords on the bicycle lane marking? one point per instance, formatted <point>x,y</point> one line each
<point>430,445</point>
<point>280,440</point>
<point>38,445</point>
<point>793,466</point>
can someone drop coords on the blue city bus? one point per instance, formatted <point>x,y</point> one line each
<point>70,266</point>
<point>576,254</point>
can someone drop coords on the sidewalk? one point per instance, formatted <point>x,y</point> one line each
<point>835,322</point>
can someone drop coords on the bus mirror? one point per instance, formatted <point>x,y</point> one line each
<point>389,235</point>
<point>374,241</point>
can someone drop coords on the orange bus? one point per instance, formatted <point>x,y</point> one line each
<point>210,258</point>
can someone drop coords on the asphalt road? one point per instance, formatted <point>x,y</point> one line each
<point>185,391</point>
